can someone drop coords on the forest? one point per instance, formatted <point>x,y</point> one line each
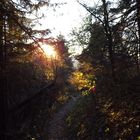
<point>49,93</point>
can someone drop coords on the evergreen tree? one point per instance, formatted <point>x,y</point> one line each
<point>15,28</point>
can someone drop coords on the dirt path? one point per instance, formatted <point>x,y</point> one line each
<point>57,125</point>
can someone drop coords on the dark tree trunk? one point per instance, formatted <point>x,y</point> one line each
<point>108,33</point>
<point>3,100</point>
<point>138,17</point>
<point>3,107</point>
<point>138,23</point>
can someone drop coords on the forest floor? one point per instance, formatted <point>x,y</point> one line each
<point>57,126</point>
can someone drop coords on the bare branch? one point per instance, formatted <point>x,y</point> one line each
<point>88,9</point>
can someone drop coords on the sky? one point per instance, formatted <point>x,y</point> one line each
<point>63,19</point>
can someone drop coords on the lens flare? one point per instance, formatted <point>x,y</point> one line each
<point>49,50</point>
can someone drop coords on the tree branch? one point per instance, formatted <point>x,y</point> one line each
<point>35,96</point>
<point>93,14</point>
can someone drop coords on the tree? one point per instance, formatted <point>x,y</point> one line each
<point>113,30</point>
<point>14,27</point>
<point>121,32</point>
<point>128,31</point>
<point>107,29</point>
<point>138,17</point>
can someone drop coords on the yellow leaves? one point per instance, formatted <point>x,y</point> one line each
<point>138,138</point>
<point>62,98</point>
<point>69,120</point>
<point>81,80</point>
<point>78,74</point>
<point>115,115</point>
<point>107,130</point>
<point>84,93</point>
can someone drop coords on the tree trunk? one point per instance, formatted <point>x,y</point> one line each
<point>3,100</point>
<point>138,17</point>
<point>138,23</point>
<point>108,33</point>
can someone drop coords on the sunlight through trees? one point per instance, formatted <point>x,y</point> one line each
<point>91,93</point>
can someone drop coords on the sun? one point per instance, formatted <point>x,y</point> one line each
<point>49,50</point>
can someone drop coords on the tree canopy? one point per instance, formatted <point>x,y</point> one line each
<point>94,93</point>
